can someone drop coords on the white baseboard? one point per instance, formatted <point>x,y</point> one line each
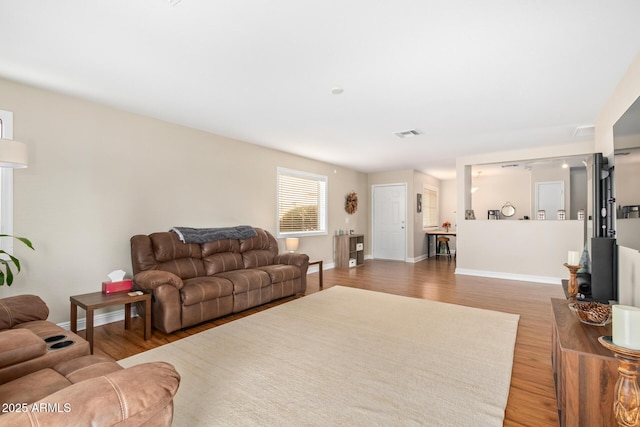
<point>510,276</point>
<point>417,259</point>
<point>99,319</point>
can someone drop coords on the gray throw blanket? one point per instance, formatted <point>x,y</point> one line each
<point>204,235</point>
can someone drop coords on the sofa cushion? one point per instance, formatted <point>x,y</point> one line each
<point>221,255</point>
<point>45,329</point>
<point>167,247</point>
<point>18,345</point>
<point>33,387</point>
<point>182,259</point>
<point>20,309</point>
<point>141,395</point>
<point>219,246</point>
<point>280,272</point>
<point>246,280</point>
<point>42,328</point>
<point>205,288</point>
<point>85,367</point>
<point>260,250</point>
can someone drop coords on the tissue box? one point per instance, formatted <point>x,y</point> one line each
<point>111,287</point>
<point>352,263</point>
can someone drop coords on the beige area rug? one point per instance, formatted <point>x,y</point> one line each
<point>347,357</point>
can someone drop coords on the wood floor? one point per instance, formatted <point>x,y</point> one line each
<point>532,394</point>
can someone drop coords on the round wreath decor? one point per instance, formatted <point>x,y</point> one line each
<point>351,204</point>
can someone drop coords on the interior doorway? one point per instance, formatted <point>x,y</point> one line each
<point>550,198</point>
<point>389,221</point>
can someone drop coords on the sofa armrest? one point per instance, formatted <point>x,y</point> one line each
<point>299,260</point>
<point>151,279</point>
<point>19,345</point>
<point>139,395</point>
<point>21,309</point>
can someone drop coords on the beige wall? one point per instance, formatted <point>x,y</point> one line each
<point>98,175</point>
<point>494,191</point>
<point>415,181</point>
<point>447,197</point>
<point>525,250</point>
<point>625,94</point>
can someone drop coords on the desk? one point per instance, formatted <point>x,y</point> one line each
<point>436,233</point>
<point>95,300</point>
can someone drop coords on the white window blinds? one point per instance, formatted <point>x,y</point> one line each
<point>301,203</point>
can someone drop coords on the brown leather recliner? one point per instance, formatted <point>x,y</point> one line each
<point>28,342</point>
<point>192,283</point>
<point>43,383</point>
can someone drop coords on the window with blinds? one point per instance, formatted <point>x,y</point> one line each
<point>302,203</point>
<point>430,207</point>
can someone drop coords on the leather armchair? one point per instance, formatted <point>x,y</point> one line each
<point>24,332</point>
<point>92,390</point>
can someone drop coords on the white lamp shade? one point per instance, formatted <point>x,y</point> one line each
<point>13,154</point>
<point>291,243</point>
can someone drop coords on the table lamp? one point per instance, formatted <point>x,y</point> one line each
<point>13,154</point>
<point>291,243</point>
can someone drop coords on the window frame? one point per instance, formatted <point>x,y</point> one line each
<point>6,186</point>
<point>322,206</point>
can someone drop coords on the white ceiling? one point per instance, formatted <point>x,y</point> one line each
<point>472,76</point>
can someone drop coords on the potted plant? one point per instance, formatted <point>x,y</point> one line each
<point>7,274</point>
<point>446,225</point>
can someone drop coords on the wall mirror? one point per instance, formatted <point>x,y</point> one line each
<point>492,184</point>
<point>626,143</point>
<point>508,210</point>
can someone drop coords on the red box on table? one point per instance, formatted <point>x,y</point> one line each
<point>121,286</point>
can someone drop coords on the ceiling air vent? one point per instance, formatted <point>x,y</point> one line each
<point>512,165</point>
<point>588,130</point>
<point>408,133</point>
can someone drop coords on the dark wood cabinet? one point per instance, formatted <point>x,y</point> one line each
<point>585,373</point>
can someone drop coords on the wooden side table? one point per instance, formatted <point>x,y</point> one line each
<point>319,263</point>
<point>96,300</point>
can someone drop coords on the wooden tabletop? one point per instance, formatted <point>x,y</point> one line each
<point>441,233</point>
<point>573,335</point>
<point>97,300</point>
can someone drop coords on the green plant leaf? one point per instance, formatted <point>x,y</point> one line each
<point>16,261</point>
<point>9,275</point>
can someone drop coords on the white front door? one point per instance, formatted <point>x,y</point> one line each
<point>389,221</point>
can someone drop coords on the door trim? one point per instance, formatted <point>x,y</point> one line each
<point>406,225</point>
<point>537,196</point>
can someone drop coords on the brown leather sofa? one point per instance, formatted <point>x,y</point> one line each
<point>28,342</point>
<point>196,282</point>
<point>41,384</point>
